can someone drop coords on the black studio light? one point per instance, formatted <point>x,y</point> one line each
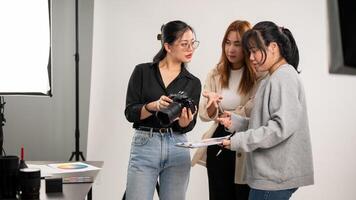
<point>341,15</point>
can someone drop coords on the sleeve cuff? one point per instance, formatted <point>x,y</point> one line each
<point>203,114</point>
<point>235,141</point>
<point>238,123</point>
<point>137,110</point>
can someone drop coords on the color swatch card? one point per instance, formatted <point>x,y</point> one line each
<point>72,167</point>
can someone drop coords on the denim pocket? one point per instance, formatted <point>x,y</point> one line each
<point>140,139</point>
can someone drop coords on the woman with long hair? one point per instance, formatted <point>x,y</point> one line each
<point>227,86</point>
<point>154,155</point>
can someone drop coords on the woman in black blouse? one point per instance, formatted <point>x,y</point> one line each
<point>153,151</point>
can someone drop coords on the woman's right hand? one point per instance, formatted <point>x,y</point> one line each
<point>213,100</point>
<point>163,102</point>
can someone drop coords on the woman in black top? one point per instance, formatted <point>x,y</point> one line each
<point>153,151</point>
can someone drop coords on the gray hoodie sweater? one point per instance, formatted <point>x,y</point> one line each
<point>277,138</point>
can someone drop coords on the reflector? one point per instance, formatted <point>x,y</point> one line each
<point>25,60</point>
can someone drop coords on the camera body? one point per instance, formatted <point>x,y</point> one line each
<point>183,100</point>
<point>168,115</point>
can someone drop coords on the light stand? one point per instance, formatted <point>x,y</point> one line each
<point>77,153</point>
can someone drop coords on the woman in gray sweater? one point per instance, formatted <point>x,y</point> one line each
<point>277,141</point>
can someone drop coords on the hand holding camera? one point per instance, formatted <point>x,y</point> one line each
<point>186,117</point>
<point>179,107</point>
<point>163,102</point>
<point>157,105</point>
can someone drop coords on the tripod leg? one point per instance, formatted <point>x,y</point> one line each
<point>81,155</point>
<point>124,197</point>
<point>71,157</point>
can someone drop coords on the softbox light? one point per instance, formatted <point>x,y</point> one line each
<point>25,47</point>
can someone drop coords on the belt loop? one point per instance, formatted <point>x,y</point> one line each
<point>151,132</point>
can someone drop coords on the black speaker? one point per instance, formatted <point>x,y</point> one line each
<point>347,17</point>
<point>341,18</point>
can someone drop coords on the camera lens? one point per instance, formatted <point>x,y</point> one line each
<point>9,166</point>
<point>30,183</point>
<point>167,115</point>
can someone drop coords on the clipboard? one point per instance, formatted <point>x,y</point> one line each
<point>202,143</point>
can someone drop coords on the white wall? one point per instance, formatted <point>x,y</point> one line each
<point>44,125</point>
<point>125,35</point>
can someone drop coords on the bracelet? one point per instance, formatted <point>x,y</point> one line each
<point>148,110</point>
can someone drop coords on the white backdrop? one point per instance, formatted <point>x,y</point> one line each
<point>125,35</point>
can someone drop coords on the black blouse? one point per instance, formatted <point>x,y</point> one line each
<point>146,85</point>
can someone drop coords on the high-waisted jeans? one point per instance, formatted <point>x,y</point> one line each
<point>154,156</point>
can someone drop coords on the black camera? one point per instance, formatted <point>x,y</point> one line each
<point>167,115</point>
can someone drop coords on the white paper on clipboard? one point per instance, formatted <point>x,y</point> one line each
<point>202,143</point>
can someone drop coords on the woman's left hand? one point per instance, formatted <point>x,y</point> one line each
<point>227,144</point>
<point>225,119</point>
<point>186,117</point>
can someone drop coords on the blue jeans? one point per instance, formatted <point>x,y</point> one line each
<point>154,155</point>
<point>271,195</point>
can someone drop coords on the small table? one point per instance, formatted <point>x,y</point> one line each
<point>70,191</point>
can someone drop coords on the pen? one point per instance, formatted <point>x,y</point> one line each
<point>232,134</point>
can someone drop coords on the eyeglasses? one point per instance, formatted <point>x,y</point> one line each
<point>186,45</point>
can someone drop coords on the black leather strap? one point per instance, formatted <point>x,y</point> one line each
<point>158,130</point>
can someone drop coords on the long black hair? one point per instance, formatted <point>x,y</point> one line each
<point>263,33</point>
<point>170,32</point>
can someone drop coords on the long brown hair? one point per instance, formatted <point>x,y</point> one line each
<point>224,66</point>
